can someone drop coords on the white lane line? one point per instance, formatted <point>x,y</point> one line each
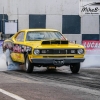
<point>11,95</point>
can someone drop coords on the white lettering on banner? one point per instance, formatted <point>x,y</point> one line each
<point>92,47</point>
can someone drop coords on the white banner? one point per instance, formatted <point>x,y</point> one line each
<point>89,7</point>
<point>10,27</point>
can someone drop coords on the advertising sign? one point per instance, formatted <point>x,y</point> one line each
<point>89,7</point>
<point>10,27</point>
<point>92,47</point>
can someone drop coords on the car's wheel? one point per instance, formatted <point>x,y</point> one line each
<point>28,65</point>
<point>75,67</point>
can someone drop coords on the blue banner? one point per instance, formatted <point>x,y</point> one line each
<point>1,50</point>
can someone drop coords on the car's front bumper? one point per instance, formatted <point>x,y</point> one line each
<point>56,61</point>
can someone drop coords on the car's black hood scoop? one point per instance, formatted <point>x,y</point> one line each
<point>55,42</point>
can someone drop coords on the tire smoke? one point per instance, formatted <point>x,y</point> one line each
<point>11,65</point>
<point>3,66</point>
<point>92,61</point>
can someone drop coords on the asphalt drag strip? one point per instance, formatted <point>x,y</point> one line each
<point>43,85</point>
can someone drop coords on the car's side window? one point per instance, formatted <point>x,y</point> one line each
<point>20,36</point>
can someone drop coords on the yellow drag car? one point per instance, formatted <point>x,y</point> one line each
<point>44,47</point>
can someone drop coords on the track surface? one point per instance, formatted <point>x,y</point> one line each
<point>52,85</point>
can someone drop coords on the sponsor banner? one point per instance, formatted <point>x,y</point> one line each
<point>89,7</point>
<point>92,47</point>
<point>1,42</point>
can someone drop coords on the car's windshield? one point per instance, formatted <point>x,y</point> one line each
<point>38,35</point>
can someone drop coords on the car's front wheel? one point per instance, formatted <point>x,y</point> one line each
<point>75,68</point>
<point>28,65</point>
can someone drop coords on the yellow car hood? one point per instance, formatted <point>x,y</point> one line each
<point>38,44</point>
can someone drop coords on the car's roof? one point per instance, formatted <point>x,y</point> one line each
<point>40,29</point>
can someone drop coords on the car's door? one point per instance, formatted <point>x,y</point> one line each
<point>17,54</point>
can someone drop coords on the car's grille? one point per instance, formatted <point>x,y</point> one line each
<point>58,51</point>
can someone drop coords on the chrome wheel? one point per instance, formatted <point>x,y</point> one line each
<point>28,65</point>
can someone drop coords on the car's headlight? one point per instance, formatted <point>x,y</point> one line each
<point>36,52</point>
<point>80,51</point>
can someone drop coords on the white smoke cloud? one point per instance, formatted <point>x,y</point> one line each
<point>12,65</point>
<point>91,61</point>
<point>92,57</point>
<point>3,66</point>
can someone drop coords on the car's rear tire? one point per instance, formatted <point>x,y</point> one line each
<point>28,65</point>
<point>75,68</point>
